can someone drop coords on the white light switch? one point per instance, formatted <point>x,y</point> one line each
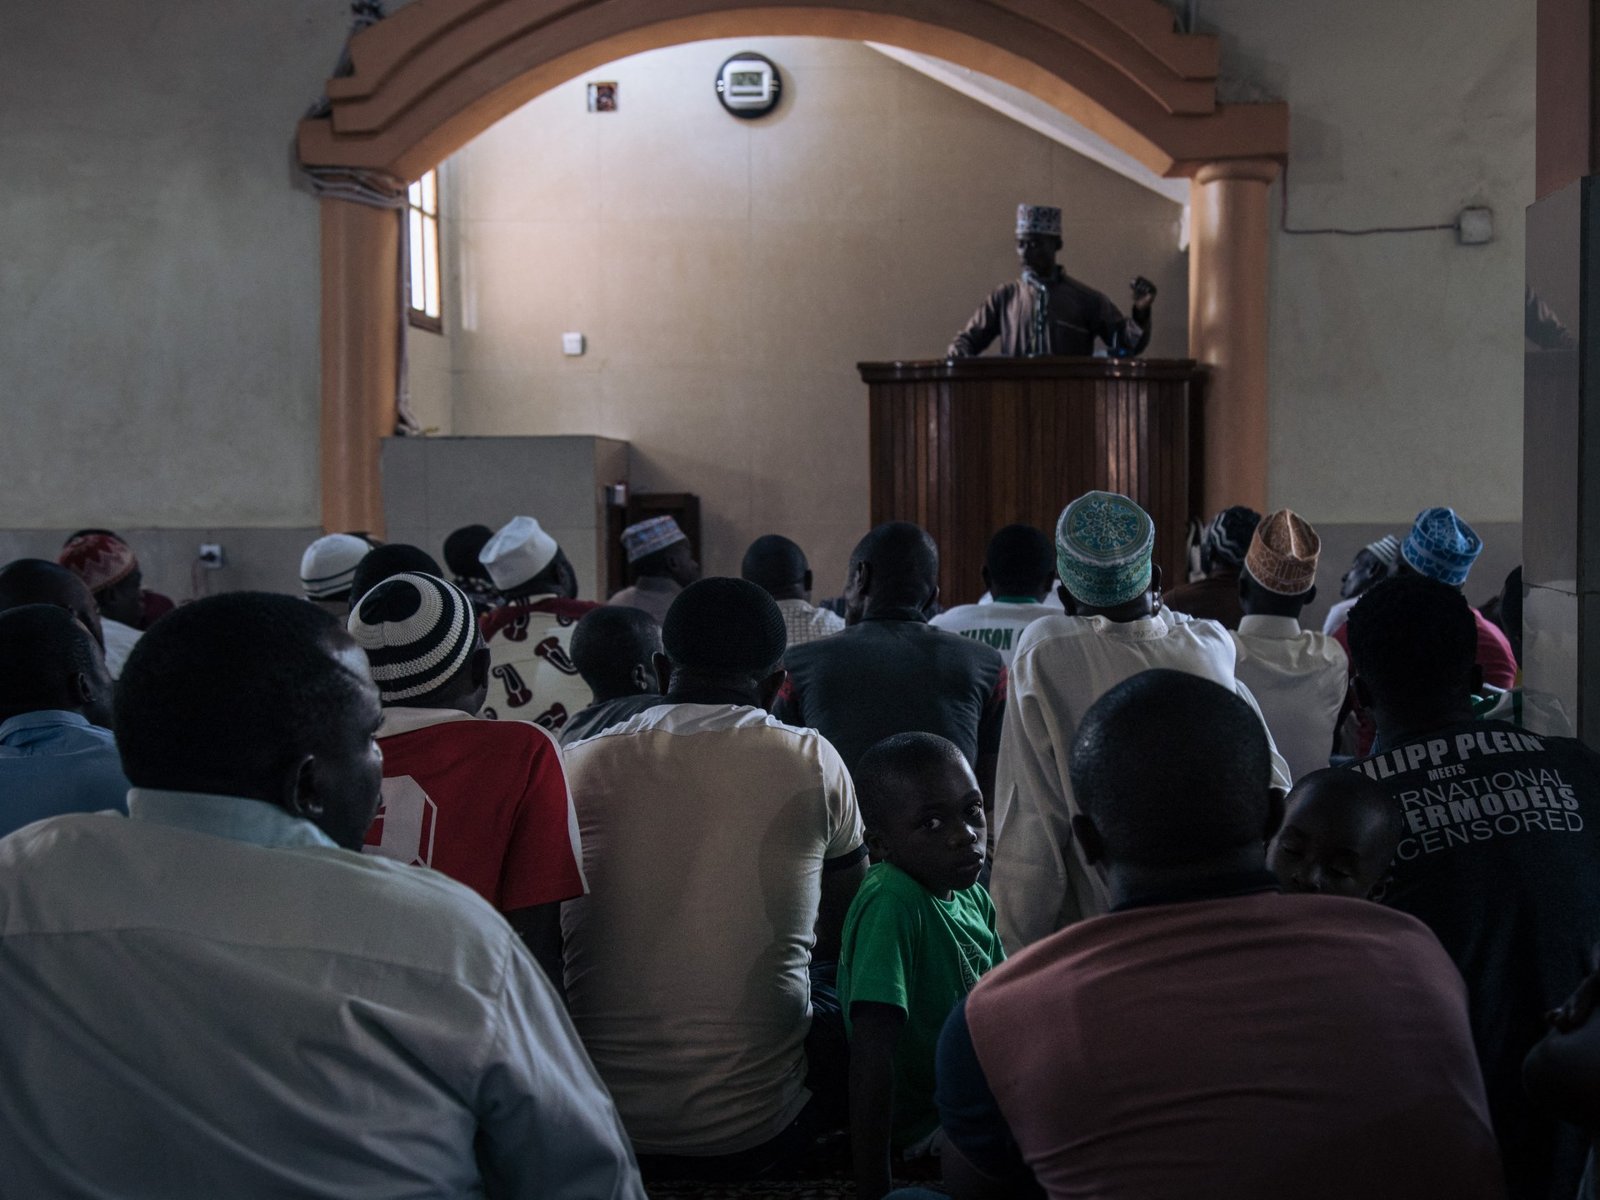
<point>572,343</point>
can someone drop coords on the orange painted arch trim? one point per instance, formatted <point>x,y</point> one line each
<point>439,72</point>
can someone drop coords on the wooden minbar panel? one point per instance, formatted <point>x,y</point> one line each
<point>965,446</point>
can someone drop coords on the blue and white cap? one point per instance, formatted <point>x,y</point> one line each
<point>1441,546</point>
<point>1103,546</point>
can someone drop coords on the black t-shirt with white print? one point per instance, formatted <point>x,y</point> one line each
<point>1501,859</point>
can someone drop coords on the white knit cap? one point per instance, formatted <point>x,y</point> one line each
<point>417,631</point>
<point>518,552</point>
<point>328,566</point>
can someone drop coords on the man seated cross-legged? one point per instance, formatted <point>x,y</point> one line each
<point>1498,853</point>
<point>723,849</point>
<point>216,995</point>
<point>1209,1036</point>
<point>483,801</point>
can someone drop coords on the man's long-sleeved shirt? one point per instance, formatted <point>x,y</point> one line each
<point>1059,316</point>
<point>209,998</point>
<point>1300,679</point>
<point>1062,665</point>
<point>54,762</point>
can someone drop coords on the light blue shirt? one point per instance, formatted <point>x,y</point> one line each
<point>54,762</point>
<point>209,998</point>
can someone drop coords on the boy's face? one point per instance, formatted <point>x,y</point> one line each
<point>934,828</point>
<point>1332,843</point>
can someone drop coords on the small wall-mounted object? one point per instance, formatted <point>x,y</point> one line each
<point>572,344</point>
<point>602,97</point>
<point>1475,226</point>
<point>211,556</point>
<point>749,85</point>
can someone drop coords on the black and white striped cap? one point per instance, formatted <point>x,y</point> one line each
<point>417,630</point>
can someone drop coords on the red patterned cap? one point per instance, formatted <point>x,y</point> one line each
<point>99,560</point>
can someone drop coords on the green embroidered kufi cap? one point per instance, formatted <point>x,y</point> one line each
<point>1103,547</point>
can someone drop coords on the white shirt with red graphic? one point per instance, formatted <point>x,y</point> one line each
<point>531,674</point>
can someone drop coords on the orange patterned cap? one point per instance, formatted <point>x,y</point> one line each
<point>1283,553</point>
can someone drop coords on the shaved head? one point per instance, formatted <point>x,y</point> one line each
<point>894,566</point>
<point>1173,769</point>
<point>778,565</point>
<point>51,662</point>
<point>39,581</point>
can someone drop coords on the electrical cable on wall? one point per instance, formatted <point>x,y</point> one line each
<point>1283,220</point>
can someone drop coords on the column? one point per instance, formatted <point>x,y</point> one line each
<point>1229,227</point>
<point>360,358</point>
<point>1561,383</point>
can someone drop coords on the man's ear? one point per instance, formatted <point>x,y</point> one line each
<point>770,687</point>
<point>1088,835</point>
<point>81,688</point>
<point>479,666</point>
<point>932,602</point>
<point>299,795</point>
<point>663,666</point>
<point>1275,808</point>
<point>643,678</point>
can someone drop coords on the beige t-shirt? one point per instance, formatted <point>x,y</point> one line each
<point>704,831</point>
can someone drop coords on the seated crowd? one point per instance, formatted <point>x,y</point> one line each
<point>442,881</point>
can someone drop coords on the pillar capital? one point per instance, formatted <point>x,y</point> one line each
<point>1249,170</point>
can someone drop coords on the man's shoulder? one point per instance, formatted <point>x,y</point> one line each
<point>504,737</point>
<point>743,724</point>
<point>1079,287</point>
<point>547,610</point>
<point>388,911</point>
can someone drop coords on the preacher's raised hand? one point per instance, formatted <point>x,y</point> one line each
<point>1143,293</point>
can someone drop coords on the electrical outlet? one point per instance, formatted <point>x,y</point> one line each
<point>573,344</point>
<point>1475,226</point>
<point>210,555</point>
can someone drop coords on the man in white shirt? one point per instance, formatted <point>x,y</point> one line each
<point>1019,568</point>
<point>216,996</point>
<point>1113,629</point>
<point>719,844</point>
<point>778,566</point>
<point>1299,678</point>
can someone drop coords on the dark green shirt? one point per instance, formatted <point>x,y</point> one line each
<point>905,947</point>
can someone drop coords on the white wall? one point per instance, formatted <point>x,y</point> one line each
<point>730,274</point>
<point>1396,371</point>
<point>159,310</point>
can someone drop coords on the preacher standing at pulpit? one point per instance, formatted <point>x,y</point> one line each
<point>1049,312</point>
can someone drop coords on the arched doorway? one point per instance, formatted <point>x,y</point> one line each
<point>429,79</point>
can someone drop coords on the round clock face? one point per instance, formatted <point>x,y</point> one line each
<point>749,85</point>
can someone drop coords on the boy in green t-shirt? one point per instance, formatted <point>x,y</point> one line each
<point>918,935</point>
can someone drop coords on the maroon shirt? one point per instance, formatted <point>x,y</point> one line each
<point>1251,1046</point>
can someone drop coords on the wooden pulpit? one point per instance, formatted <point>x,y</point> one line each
<point>966,446</point>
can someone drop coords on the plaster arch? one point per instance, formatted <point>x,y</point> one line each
<point>425,81</point>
